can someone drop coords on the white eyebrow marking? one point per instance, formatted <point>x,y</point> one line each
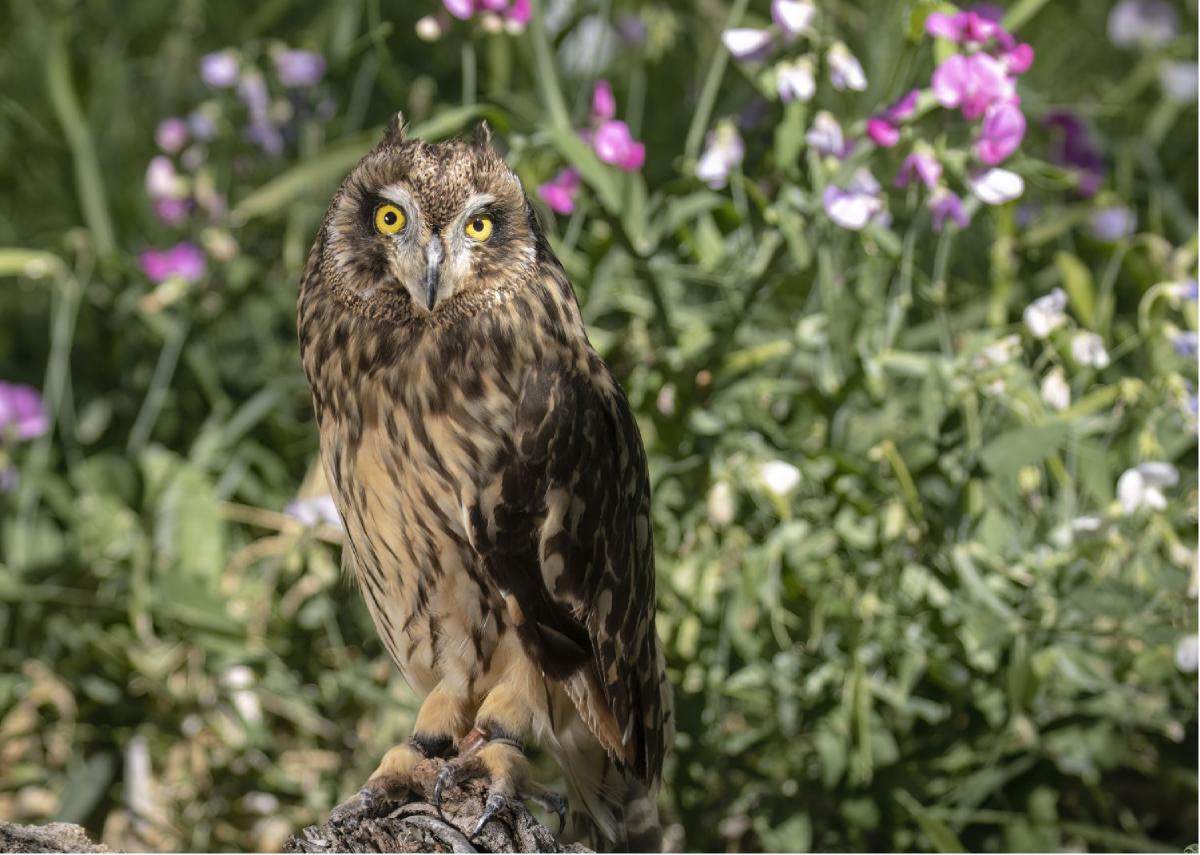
<point>476,202</point>
<point>399,195</point>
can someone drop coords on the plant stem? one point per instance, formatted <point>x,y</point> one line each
<point>712,83</point>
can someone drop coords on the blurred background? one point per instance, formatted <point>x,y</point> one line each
<point>903,295</point>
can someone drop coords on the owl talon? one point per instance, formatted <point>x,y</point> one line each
<point>374,799</point>
<point>495,801</point>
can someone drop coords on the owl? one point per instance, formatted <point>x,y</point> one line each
<point>493,486</point>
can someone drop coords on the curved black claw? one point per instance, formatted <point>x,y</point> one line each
<point>445,778</point>
<point>366,802</point>
<point>494,803</point>
<point>558,804</point>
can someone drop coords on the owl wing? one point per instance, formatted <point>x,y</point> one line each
<point>564,529</point>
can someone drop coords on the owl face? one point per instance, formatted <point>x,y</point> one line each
<point>417,224</point>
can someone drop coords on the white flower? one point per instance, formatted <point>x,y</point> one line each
<point>162,181</point>
<point>1055,390</point>
<point>316,510</point>
<point>1112,223</point>
<point>779,477</point>
<point>1149,23</point>
<point>1141,487</point>
<point>793,17</point>
<point>1179,81</point>
<point>795,81</point>
<point>857,204</point>
<point>720,504</point>
<point>845,71</point>
<point>996,186</point>
<point>666,400</point>
<point>825,135</point>
<point>1003,351</point>
<point>1086,524</point>
<point>239,679</point>
<point>429,29</point>
<point>747,44</point>
<point>1087,348</point>
<point>724,150</point>
<point>1046,314</point>
<point>1187,654</point>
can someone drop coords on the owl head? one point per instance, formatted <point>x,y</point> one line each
<point>416,225</point>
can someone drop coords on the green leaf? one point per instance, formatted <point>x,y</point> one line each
<point>939,834</point>
<point>1077,282</point>
<point>85,787</point>
<point>1024,446</point>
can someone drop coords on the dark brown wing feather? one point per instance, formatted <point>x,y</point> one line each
<point>574,495</point>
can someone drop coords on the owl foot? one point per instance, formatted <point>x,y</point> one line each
<point>501,762</point>
<point>377,797</point>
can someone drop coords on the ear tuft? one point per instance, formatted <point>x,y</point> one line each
<point>395,131</point>
<point>483,134</point>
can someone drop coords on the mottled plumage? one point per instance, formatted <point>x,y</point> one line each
<point>492,481</point>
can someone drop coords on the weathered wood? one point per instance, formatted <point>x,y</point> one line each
<point>55,837</point>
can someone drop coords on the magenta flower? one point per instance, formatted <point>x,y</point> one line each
<point>171,135</point>
<point>973,82</point>
<point>922,165</point>
<point>22,413</point>
<point>1002,131</point>
<point>604,105</point>
<point>184,260</point>
<point>559,192</point>
<point>461,9</point>
<point>882,132</point>
<point>1018,58</point>
<point>943,206</point>
<point>219,69</point>
<point>519,12</point>
<point>299,68</point>
<point>615,145</point>
<point>962,27</point>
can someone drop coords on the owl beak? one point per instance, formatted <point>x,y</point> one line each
<point>433,271</point>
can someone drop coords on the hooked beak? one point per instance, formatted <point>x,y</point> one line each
<point>433,271</point>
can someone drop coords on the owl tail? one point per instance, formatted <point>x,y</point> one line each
<point>621,815</point>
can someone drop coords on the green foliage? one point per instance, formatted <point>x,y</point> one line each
<point>902,605</point>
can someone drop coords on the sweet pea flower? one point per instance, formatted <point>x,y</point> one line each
<point>1113,223</point>
<point>1087,348</point>
<point>171,135</point>
<point>219,69</point>
<point>855,205</point>
<point>1055,390</point>
<point>162,181</point>
<point>22,413</point>
<point>1001,133</point>
<point>845,71</point>
<point>1179,80</point>
<point>1142,23</point>
<point>963,27</point>
<point>559,192</point>
<point>971,82</point>
<point>604,104</point>
<point>882,132</point>
<point>184,260</point>
<point>996,186</point>
<point>921,164</point>
<point>779,477</point>
<point>795,81</point>
<point>825,135</point>
<point>943,206</point>
<point>172,211</point>
<point>1018,59</point>
<point>1002,351</point>
<point>723,151</point>
<point>1178,292</point>
<point>793,17</point>
<point>1142,486</point>
<point>299,68</point>
<point>314,511</point>
<point>429,28</point>
<point>1184,341</point>
<point>1046,314</point>
<point>748,45</point>
<point>461,9</point>
<point>1074,148</point>
<point>615,145</point>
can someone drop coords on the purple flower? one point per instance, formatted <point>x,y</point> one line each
<point>184,259</point>
<point>825,135</point>
<point>1179,80</point>
<point>299,68</point>
<point>1074,148</point>
<point>202,125</point>
<point>723,151</point>
<point>1002,131</point>
<point>920,164</point>
<point>559,192</point>
<point>614,145</point>
<point>219,69</point>
<point>845,71</point>
<point>855,205</point>
<point>632,28</point>
<point>748,45</point>
<point>1144,23</point>
<point>172,211</point>
<point>604,105</point>
<point>794,80</point>
<point>22,413</point>
<point>904,107</point>
<point>969,27</point>
<point>1184,342</point>
<point>793,17</point>
<point>1113,223</point>
<point>943,206</point>
<point>461,9</point>
<point>252,90</point>
<point>882,132</point>
<point>973,82</point>
<point>171,135</point>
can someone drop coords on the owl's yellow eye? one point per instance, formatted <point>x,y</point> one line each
<point>389,219</point>
<point>479,228</point>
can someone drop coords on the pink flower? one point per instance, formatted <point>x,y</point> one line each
<point>559,192</point>
<point>172,211</point>
<point>519,12</point>
<point>461,9</point>
<point>604,105</point>
<point>171,135</point>
<point>1018,58</point>
<point>943,206</point>
<point>22,413</point>
<point>922,165</point>
<point>1002,131</point>
<point>973,82</point>
<point>185,260</point>
<point>882,132</point>
<point>903,107</point>
<point>615,145</point>
<point>963,27</point>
